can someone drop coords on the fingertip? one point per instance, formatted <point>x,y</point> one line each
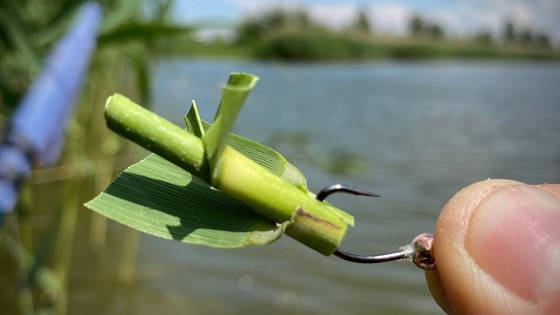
<point>514,237</point>
<point>454,219</point>
<point>436,289</point>
<point>470,277</point>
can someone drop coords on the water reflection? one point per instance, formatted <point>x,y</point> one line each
<point>299,148</point>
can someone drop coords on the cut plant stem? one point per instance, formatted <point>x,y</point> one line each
<point>310,221</point>
<point>155,134</point>
<point>313,223</point>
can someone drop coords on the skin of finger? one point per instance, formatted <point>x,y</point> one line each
<point>459,285</point>
<point>436,289</point>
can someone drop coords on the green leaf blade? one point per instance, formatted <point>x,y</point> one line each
<point>193,122</point>
<point>234,94</point>
<point>159,198</point>
<point>267,158</point>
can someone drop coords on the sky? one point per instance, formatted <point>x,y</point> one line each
<point>457,16</point>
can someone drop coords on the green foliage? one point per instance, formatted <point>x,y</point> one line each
<point>193,122</point>
<point>282,199</point>
<point>291,35</point>
<point>234,93</point>
<point>542,40</point>
<point>161,199</point>
<point>362,23</point>
<point>483,37</point>
<point>418,26</point>
<point>524,37</point>
<point>509,32</point>
<point>271,22</point>
<point>134,31</point>
<point>324,45</point>
<point>415,25</point>
<point>317,46</point>
<point>28,29</point>
<point>434,31</point>
<point>267,158</point>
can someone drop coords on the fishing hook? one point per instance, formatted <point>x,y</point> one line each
<point>419,251</point>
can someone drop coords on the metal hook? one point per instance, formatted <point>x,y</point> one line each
<point>325,192</point>
<point>419,251</point>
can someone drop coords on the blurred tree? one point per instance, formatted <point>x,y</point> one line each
<point>250,31</point>
<point>526,37</point>
<point>434,31</point>
<point>276,19</point>
<point>509,32</point>
<point>415,25</point>
<point>483,37</point>
<point>253,30</point>
<point>302,18</point>
<point>361,23</point>
<point>158,10</point>
<point>542,40</point>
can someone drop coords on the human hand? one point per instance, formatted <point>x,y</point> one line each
<point>497,250</point>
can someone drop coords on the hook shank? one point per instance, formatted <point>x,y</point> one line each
<point>368,259</point>
<point>325,192</point>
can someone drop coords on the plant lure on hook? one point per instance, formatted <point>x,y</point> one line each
<point>205,185</point>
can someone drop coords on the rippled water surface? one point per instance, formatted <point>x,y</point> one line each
<point>413,132</point>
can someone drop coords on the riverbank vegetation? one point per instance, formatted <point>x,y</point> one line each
<point>292,35</point>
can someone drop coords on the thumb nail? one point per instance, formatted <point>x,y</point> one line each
<point>514,236</point>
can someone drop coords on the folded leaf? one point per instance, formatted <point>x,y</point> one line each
<point>193,121</point>
<point>266,157</point>
<point>263,155</point>
<point>234,94</point>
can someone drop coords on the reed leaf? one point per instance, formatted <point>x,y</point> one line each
<point>234,93</point>
<point>161,199</point>
<point>193,121</point>
<point>255,195</point>
<point>132,31</point>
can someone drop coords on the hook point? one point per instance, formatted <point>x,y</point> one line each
<point>325,192</point>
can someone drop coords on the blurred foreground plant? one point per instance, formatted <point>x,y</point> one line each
<point>46,221</point>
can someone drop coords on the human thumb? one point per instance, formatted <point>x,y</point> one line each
<point>497,250</point>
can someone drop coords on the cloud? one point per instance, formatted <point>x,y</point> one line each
<point>537,15</point>
<point>389,17</point>
<point>254,7</point>
<point>334,15</point>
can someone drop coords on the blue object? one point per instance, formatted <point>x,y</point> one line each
<point>36,130</point>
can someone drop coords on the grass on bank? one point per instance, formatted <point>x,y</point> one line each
<point>326,45</point>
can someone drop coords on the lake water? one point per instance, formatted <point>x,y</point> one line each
<point>414,132</point>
